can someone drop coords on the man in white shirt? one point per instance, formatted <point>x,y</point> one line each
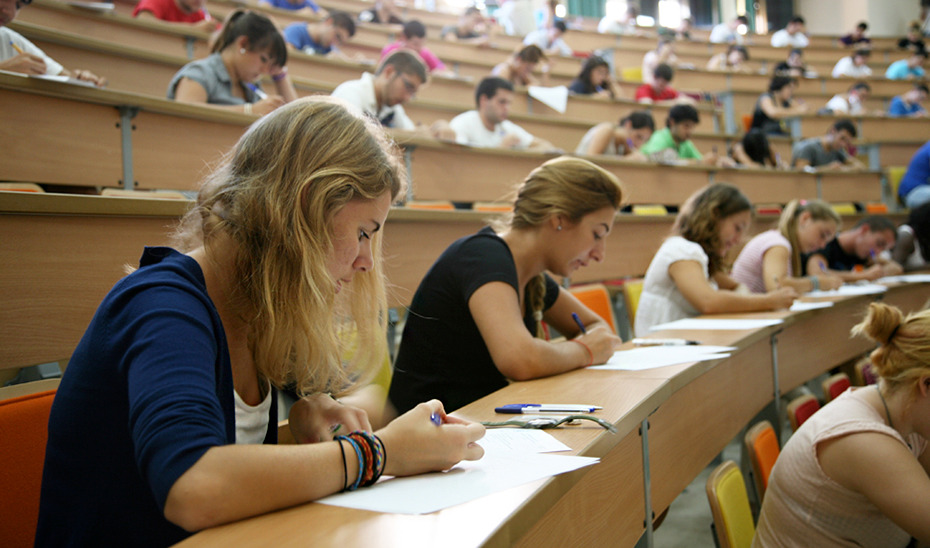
<point>17,54</point>
<point>550,40</point>
<point>488,125</point>
<point>852,102</point>
<point>792,35</point>
<point>726,33</point>
<point>854,66</point>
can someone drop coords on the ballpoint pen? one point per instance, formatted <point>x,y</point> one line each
<point>18,49</point>
<point>436,419</point>
<point>257,91</point>
<point>580,325</point>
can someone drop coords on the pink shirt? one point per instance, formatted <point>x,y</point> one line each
<point>748,266</point>
<point>428,57</point>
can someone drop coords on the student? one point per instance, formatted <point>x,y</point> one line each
<point>733,60</point>
<point>687,276</point>
<point>595,79</point>
<point>828,152</point>
<point>321,38</point>
<point>907,69</point>
<point>794,66</point>
<point>908,104</point>
<point>856,472</point>
<point>189,13</point>
<point>385,12</point>
<point>302,6</point>
<point>165,412</point>
<point>664,54</point>
<point>383,94</point>
<point>17,54</point>
<point>672,144</point>
<point>549,40</point>
<point>625,24</point>
<point>914,40</point>
<point>248,47</point>
<point>660,90</point>
<point>728,33</point>
<point>475,320</point>
<point>754,150</point>
<point>857,38</point>
<point>855,254</point>
<point>469,30</point>
<point>852,102</point>
<point>488,126</point>
<point>914,188</point>
<point>518,69</point>
<point>776,105</point>
<point>792,36</point>
<point>413,36</point>
<point>773,258</point>
<point>624,139</point>
<point>913,245</point>
<point>854,66</point>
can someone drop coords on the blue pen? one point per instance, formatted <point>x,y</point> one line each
<point>257,91</point>
<point>580,325</point>
<point>823,267</point>
<point>436,419</point>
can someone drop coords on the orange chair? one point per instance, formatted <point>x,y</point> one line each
<point>762,448</point>
<point>597,298</point>
<point>834,386</point>
<point>21,187</point>
<point>800,409</point>
<point>729,505</point>
<point>432,205</point>
<point>24,423</point>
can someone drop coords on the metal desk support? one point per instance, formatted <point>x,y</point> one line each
<point>126,114</point>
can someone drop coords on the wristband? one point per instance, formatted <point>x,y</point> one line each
<point>815,283</point>
<point>591,354</point>
<point>281,75</point>
<point>247,108</point>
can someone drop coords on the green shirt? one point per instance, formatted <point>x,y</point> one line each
<point>663,139</point>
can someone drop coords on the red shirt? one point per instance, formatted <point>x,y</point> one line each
<point>167,10</point>
<point>646,90</point>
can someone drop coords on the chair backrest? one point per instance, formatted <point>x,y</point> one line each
<point>865,375</point>
<point>729,504</point>
<point>763,450</point>
<point>24,424</point>
<point>597,298</point>
<point>894,175</point>
<point>632,291</point>
<point>800,409</point>
<point>835,385</point>
<point>21,187</point>
<point>632,74</point>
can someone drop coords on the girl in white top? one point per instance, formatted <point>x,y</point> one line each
<point>856,473</point>
<point>773,258</point>
<point>687,276</point>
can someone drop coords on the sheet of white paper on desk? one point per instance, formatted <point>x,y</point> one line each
<point>507,440</point>
<point>555,98</point>
<point>713,325</point>
<point>62,79</point>
<point>468,480</point>
<point>799,306</point>
<point>650,357</point>
<point>904,278</point>
<point>849,290</point>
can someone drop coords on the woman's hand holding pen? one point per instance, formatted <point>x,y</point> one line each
<point>782,297</point>
<point>267,104</point>
<point>425,439</point>
<point>829,281</point>
<point>24,63</point>
<point>601,341</point>
<point>319,417</point>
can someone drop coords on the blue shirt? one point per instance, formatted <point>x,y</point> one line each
<point>918,171</point>
<point>897,107</point>
<point>900,71</point>
<point>147,392</point>
<point>285,5</point>
<point>296,34</point>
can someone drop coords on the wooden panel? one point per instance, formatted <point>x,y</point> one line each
<point>851,186</point>
<point>766,186</point>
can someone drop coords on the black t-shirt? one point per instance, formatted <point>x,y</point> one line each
<point>442,354</point>
<point>837,259</point>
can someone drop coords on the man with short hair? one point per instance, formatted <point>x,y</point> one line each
<point>908,104</point>
<point>660,91</point>
<point>550,40</point>
<point>855,254</point>
<point>673,145</point>
<point>321,38</point>
<point>907,69</point>
<point>727,33</point>
<point>792,36</point>
<point>857,37</point>
<point>192,13</point>
<point>488,125</point>
<point>827,152</point>
<point>851,102</point>
<point>413,36</point>
<point>469,29</point>
<point>854,66</point>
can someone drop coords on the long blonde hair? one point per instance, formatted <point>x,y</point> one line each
<point>903,354</point>
<point>788,225</point>
<point>565,186</point>
<point>274,195</point>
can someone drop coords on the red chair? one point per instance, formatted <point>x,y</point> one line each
<point>763,450</point>
<point>24,423</point>
<point>800,409</point>
<point>834,386</point>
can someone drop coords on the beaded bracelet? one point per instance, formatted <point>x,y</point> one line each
<point>591,354</point>
<point>374,450</point>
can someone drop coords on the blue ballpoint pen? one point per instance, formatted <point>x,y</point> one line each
<point>436,419</point>
<point>580,325</point>
<point>257,91</point>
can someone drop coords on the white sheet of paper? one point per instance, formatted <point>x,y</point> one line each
<point>466,481</point>
<point>799,306</point>
<point>62,79</point>
<point>904,278</point>
<point>650,357</point>
<point>850,289</point>
<point>509,440</point>
<point>713,325</point>
<point>555,98</point>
